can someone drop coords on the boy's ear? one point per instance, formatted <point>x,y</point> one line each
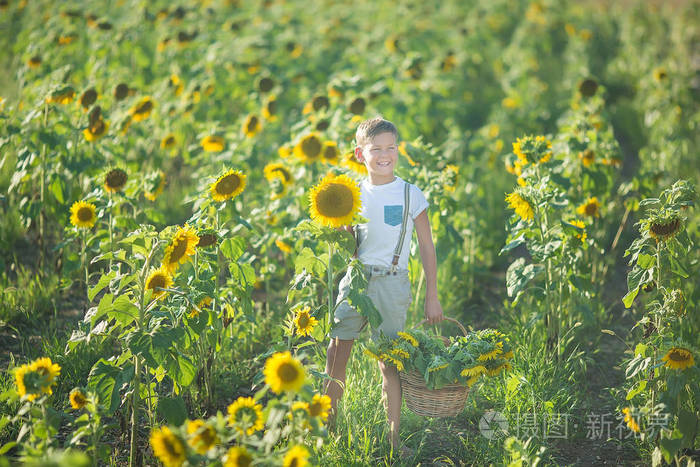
<point>358,154</point>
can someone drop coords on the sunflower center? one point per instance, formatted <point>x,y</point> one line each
<point>288,373</point>
<point>172,446</point>
<point>84,214</point>
<point>357,107</point>
<point>157,281</point>
<point>294,462</point>
<point>116,179</point>
<point>206,240</point>
<point>244,460</point>
<point>678,356</point>
<point>272,107</point>
<point>144,107</point>
<point>252,124</point>
<point>303,321</point>
<point>179,249</point>
<point>330,152</point>
<point>311,147</point>
<point>591,209</point>
<point>266,84</point>
<point>228,184</point>
<point>315,409</point>
<point>335,200</point>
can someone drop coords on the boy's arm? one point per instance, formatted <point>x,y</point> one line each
<point>433,309</point>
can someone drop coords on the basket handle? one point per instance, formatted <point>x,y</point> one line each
<point>446,318</point>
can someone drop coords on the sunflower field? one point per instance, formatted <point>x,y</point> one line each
<point>173,176</point>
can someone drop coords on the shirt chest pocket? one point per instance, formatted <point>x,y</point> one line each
<point>393,214</point>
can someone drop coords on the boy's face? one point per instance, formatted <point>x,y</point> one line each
<point>380,157</point>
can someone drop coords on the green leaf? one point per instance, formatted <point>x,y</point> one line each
<point>670,446</point>
<point>629,297</point>
<point>519,274</point>
<point>101,284</point>
<point>7,446</point>
<point>307,259</point>
<point>233,248</point>
<point>639,387</point>
<point>57,187</point>
<point>181,369</point>
<point>123,310</point>
<point>646,261</point>
<point>173,410</point>
<point>677,267</point>
<point>513,244</point>
<point>364,306</point>
<point>687,424</point>
<point>103,380</point>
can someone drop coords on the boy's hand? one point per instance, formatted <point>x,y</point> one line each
<point>433,310</point>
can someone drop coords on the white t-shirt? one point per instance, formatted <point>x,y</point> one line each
<point>383,206</point>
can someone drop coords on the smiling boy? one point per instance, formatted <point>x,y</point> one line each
<point>393,208</point>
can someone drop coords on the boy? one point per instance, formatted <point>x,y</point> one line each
<point>383,249</point>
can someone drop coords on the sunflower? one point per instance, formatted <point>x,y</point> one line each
<point>588,87</point>
<point>449,62</point>
<point>298,456</point>
<point>678,358</point>
<point>207,239</point>
<point>521,206</point>
<point>473,371</point>
<point>319,406</point>
<point>142,109</point>
<point>252,125</point>
<point>316,104</point>
<point>660,74</point>
<point>277,171</point>
<point>26,382</point>
<point>510,102</point>
<point>294,49</point>
<point>490,355</point>
<point>96,130</point>
<point>115,180</point>
<point>451,172</point>
<point>246,415</point>
<point>330,152</point>
<point>228,186</point>
<point>284,151</point>
<point>36,378</point>
<point>238,456</point>
<point>167,447</point>
<point>61,96</point>
<point>309,148</point>
<point>629,420</point>
<point>587,157</point>
<point>176,84</point>
<point>590,207</point>
<point>121,90</point>
<point>202,436</point>
<point>168,142</point>
<point>304,322</point>
<point>284,372</point>
<point>181,248</point>
<point>159,279</point>
<point>438,368</point>
<point>400,353</point>
<point>335,201</point>
<point>392,44</point>
<point>357,106</point>
<point>664,229</point>
<point>532,150</point>
<point>213,143</point>
<point>47,371</point>
<point>77,398</point>
<point>351,162</point>
<point>394,361</point>
<point>408,338</point>
<point>580,225</point>
<point>82,215</point>
<point>265,84</point>
<point>34,61</point>
<point>155,185</point>
<point>269,110</point>
<point>282,245</point>
<point>88,98</point>
<point>472,380</point>
<point>203,304</point>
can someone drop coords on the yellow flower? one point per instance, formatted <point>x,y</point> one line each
<point>296,457</point>
<point>330,152</point>
<point>168,142</point>
<point>88,98</point>
<point>246,415</point>
<point>48,372</point>
<point>472,380</point>
<point>493,130</point>
<point>490,355</point>
<point>320,406</point>
<point>160,278</point>
<point>142,109</point>
<point>61,96</point>
<point>629,419</point>
<point>83,215</point>
<point>97,127</point>
<point>238,456</point>
<point>580,225</point>
<point>351,162</point>
<point>308,149</point>
<point>392,43</point>
<point>269,110</point>
<point>587,157</point>
<point>202,436</point>
<point>167,447</point>
<point>304,322</point>
<point>678,358</point>
<point>590,207</point>
<point>508,354</point>
<point>77,398</point>
<point>389,359</point>
<point>473,371</point>
<point>357,106</point>
<point>437,368</point>
<point>335,201</point>
<point>277,171</point>
<point>409,338</point>
<point>510,102</point>
<point>180,249</point>
<point>284,151</point>
<point>36,378</point>
<point>115,180</point>
<point>284,372</point>
<point>213,143</point>
<point>404,152</point>
<point>157,186</point>
<point>521,206</point>
<point>228,186</point>
<point>252,126</point>
<point>451,172</point>
<point>400,353</point>
<point>660,74</point>
<point>176,84</point>
<point>372,354</point>
<point>664,229</point>
<point>203,304</point>
<point>34,61</point>
<point>532,150</point>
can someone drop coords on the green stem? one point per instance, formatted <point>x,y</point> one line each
<point>111,234</point>
<point>83,259</point>
<point>329,289</point>
<point>42,191</point>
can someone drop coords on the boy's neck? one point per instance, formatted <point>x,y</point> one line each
<point>381,179</point>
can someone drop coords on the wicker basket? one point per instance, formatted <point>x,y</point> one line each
<point>447,401</point>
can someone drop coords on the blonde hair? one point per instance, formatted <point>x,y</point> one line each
<point>370,128</point>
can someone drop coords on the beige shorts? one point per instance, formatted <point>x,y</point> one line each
<point>391,294</point>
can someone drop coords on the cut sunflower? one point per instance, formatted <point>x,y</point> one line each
<point>228,186</point>
<point>335,201</point>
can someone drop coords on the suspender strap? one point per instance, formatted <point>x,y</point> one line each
<point>402,235</point>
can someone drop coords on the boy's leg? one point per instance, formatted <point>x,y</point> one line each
<point>391,388</point>
<point>336,362</point>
